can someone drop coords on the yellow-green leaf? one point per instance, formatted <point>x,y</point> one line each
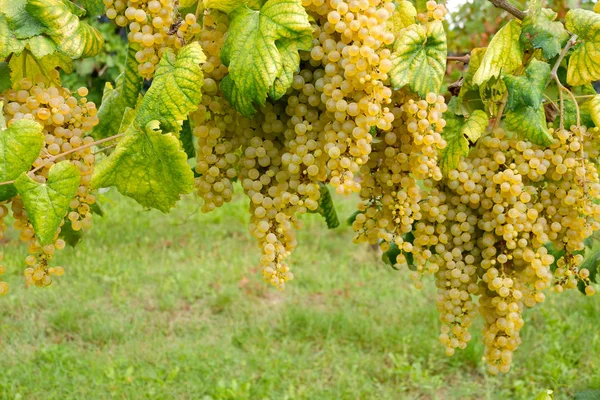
<point>148,166</point>
<point>419,58</point>
<point>540,27</point>
<point>404,15</point>
<point>457,145</point>
<point>4,77</point>
<point>8,41</point>
<point>25,65</point>
<point>594,107</point>
<point>48,203</point>
<point>528,90</point>
<point>253,50</point>
<point>503,55</point>
<point>584,64</point>
<point>475,125</point>
<point>228,6</point>
<point>20,22</point>
<point>529,123</point>
<point>41,46</point>
<point>175,90</point>
<point>115,101</point>
<point>597,7</point>
<point>327,208</point>
<point>73,37</point>
<point>20,145</point>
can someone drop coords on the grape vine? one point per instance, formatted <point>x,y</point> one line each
<point>493,190</point>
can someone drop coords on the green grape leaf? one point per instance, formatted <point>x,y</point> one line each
<point>457,145</point>
<point>8,41</point>
<point>594,107</point>
<point>41,46</point>
<point>187,139</point>
<point>539,26</point>
<point>69,235</point>
<point>20,22</point>
<point>73,37</point>
<point>228,6</point>
<point>115,101</point>
<point>584,64</point>
<point>590,262</point>
<point>175,90</point>
<point>290,59</point>
<point>419,58</point>
<point>96,7</point>
<point>147,166</point>
<point>503,55</point>
<point>527,90</point>
<point>391,255</point>
<point>475,125</point>
<point>48,203</point>
<point>554,252</point>
<point>474,63</point>
<point>350,220</point>
<point>257,51</point>
<point>327,208</point>
<point>403,16</point>
<point>26,65</point>
<point>20,145</point>
<point>570,112</point>
<point>530,123</point>
<point>5,82</point>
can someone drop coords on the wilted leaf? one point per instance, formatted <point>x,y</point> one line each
<point>584,64</point>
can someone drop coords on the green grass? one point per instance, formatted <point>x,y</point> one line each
<point>157,306</point>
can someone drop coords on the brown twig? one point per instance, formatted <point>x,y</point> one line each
<point>463,59</point>
<point>505,5</point>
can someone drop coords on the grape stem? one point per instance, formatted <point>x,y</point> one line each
<point>561,88</point>
<point>505,5</point>
<point>463,59</point>
<point>52,158</point>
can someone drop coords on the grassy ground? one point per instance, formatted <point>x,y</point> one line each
<point>171,307</point>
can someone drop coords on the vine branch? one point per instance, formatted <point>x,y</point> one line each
<point>561,88</point>
<point>52,158</point>
<point>463,59</point>
<point>505,5</point>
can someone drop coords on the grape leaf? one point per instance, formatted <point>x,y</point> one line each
<point>584,64</point>
<point>403,16</point>
<point>187,139</point>
<point>327,208</point>
<point>590,262</point>
<point>41,46</point>
<point>570,113</point>
<point>147,166</point>
<point>69,235</point>
<point>228,6</point>
<point>457,145</point>
<point>4,77</point>
<point>26,65</point>
<point>475,125</point>
<point>528,90</point>
<point>257,50</point>
<point>175,90</point>
<point>8,41</point>
<point>20,145</point>
<point>503,55</point>
<point>73,37</point>
<point>48,203</point>
<point>20,22</point>
<point>540,27</point>
<point>594,107</point>
<point>419,58</point>
<point>96,7</point>
<point>529,123</point>
<point>115,101</point>
<point>290,59</point>
<point>350,220</point>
